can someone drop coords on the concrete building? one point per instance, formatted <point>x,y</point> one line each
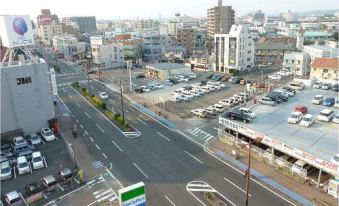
<point>321,51</point>
<point>106,55</point>
<point>68,45</point>
<point>186,38</point>
<point>219,20</point>
<point>26,97</point>
<point>46,32</point>
<point>272,49</point>
<point>172,28</point>
<point>234,51</point>
<point>46,17</point>
<point>325,70</point>
<point>297,62</point>
<point>175,53</point>
<point>200,61</point>
<point>147,24</point>
<point>166,70</point>
<point>154,46</point>
<point>86,24</point>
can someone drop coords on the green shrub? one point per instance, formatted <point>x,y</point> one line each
<point>126,125</point>
<point>120,120</point>
<point>75,84</point>
<point>83,89</point>
<point>109,114</point>
<point>103,106</point>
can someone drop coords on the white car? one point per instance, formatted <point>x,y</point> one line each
<point>336,119</point>
<point>37,160</point>
<point>6,171</point>
<point>307,120</point>
<point>47,134</point>
<point>326,86</point>
<point>19,140</point>
<point>326,115</point>
<point>282,92</point>
<point>211,111</point>
<point>175,99</point>
<point>199,113</point>
<point>274,76</point>
<point>186,98</point>
<point>247,111</point>
<point>158,85</point>
<point>145,89</point>
<point>218,107</point>
<point>295,117</point>
<point>23,166</point>
<point>192,75</point>
<point>336,104</point>
<point>226,102</point>
<point>318,99</point>
<point>317,85</point>
<point>103,95</point>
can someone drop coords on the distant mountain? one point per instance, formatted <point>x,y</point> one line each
<point>317,12</point>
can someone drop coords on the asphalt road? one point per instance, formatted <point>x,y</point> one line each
<point>164,159</point>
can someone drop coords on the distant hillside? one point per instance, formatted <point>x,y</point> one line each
<point>317,12</point>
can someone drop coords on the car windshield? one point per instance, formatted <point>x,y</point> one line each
<point>48,133</point>
<point>37,159</point>
<point>317,98</point>
<point>307,119</point>
<point>325,114</point>
<point>24,164</point>
<point>294,116</point>
<point>5,170</point>
<point>34,138</point>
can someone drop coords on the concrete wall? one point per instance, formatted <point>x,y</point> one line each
<point>26,106</point>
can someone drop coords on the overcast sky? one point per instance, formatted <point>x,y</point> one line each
<point>113,9</point>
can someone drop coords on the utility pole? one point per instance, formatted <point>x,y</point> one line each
<point>88,66</point>
<point>129,67</point>
<point>122,102</point>
<point>248,172</point>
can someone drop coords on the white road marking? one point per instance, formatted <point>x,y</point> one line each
<point>110,165</point>
<point>135,165</point>
<point>45,161</point>
<point>236,185</point>
<point>117,146</point>
<point>63,89</point>
<point>113,102</point>
<point>91,139</point>
<point>81,126</point>
<point>70,96</point>
<point>97,147</point>
<point>100,128</point>
<point>194,157</point>
<point>88,115</point>
<point>126,110</point>
<point>61,187</point>
<point>103,154</point>
<point>77,121</point>
<point>169,200</point>
<point>164,136</point>
<point>141,121</point>
<point>86,132</point>
<point>77,104</point>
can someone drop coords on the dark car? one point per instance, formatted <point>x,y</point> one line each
<point>329,101</point>
<point>140,76</point>
<point>289,89</point>
<point>203,82</point>
<point>219,78</point>
<point>210,76</point>
<point>274,98</point>
<point>237,115</point>
<point>33,188</point>
<point>234,80</point>
<point>282,97</point>
<point>65,175</point>
<point>91,72</point>
<point>335,87</point>
<point>138,90</point>
<point>6,147</point>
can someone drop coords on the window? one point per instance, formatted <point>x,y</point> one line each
<point>23,80</point>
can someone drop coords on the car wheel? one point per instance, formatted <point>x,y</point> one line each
<point>245,121</point>
<point>232,117</point>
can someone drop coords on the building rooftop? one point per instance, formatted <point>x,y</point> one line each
<point>166,66</point>
<point>316,33</point>
<point>331,63</point>
<point>277,40</point>
<point>321,47</point>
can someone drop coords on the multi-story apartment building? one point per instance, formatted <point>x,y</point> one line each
<point>219,20</point>
<point>321,51</point>
<point>68,45</point>
<point>234,51</point>
<point>175,52</point>
<point>186,38</point>
<point>46,17</point>
<point>154,46</point>
<point>106,55</point>
<point>297,63</point>
<point>325,70</point>
<point>48,31</point>
<point>86,24</point>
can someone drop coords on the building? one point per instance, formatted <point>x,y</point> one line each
<point>26,97</point>
<point>234,51</point>
<point>288,16</point>
<point>46,18</point>
<point>199,61</point>
<point>164,71</point>
<point>46,32</point>
<point>325,70</point>
<point>332,44</point>
<point>68,46</point>
<point>175,53</point>
<point>297,63</point>
<point>219,20</point>
<point>272,49</point>
<point>186,38</point>
<point>321,51</point>
<point>86,24</point>
<point>147,24</point>
<point>106,55</point>
<point>172,28</point>
<point>154,46</point>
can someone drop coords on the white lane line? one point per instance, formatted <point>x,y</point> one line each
<point>113,102</point>
<point>88,115</point>
<point>70,96</point>
<point>194,157</point>
<point>97,147</point>
<point>85,132</point>
<point>81,126</point>
<point>135,165</point>
<point>91,139</point>
<point>77,104</point>
<point>103,154</point>
<point>236,185</point>
<point>117,146</point>
<point>169,200</point>
<point>163,136</point>
<point>100,128</point>
<point>126,110</point>
<point>63,89</point>
<point>141,121</point>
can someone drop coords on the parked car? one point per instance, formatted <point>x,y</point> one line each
<point>297,85</point>
<point>19,141</point>
<point>283,92</point>
<point>274,98</point>
<point>300,108</point>
<point>20,148</point>
<point>32,188</point>
<point>65,175</point>
<point>176,99</point>
<point>336,119</point>
<point>23,166</point>
<point>209,76</point>
<point>5,147</point>
<point>260,85</point>
<point>218,107</point>
<point>226,102</point>
<point>267,101</point>
<point>6,170</point>
<point>326,115</point>
<point>158,85</point>
<point>37,160</point>
<point>317,85</point>
<point>307,120</point>
<point>287,88</point>
<point>289,92</point>
<point>336,104</point>
<point>34,139</point>
<point>211,111</point>
<point>295,117</point>
<point>13,198</point>
<point>326,86</point>
<point>234,80</point>
<point>335,87</point>
<point>280,96</point>
<point>247,111</point>
<point>199,113</point>
<point>318,99</point>
<point>237,115</point>
<point>168,82</point>
<point>103,95</point>
<point>329,101</point>
<point>49,183</point>
<point>274,76</point>
<point>140,76</point>
<point>47,134</point>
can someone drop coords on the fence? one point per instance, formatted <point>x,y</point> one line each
<point>280,164</point>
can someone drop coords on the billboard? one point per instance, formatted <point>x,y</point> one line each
<point>96,40</point>
<point>16,31</point>
<point>133,195</point>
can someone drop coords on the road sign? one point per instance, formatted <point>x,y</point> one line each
<point>133,195</point>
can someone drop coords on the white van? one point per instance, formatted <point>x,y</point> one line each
<point>219,107</point>
<point>297,85</point>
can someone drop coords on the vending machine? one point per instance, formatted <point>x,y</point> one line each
<point>333,187</point>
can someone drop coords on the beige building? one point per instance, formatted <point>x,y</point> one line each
<point>219,20</point>
<point>47,32</point>
<point>325,70</point>
<point>186,38</point>
<point>166,70</point>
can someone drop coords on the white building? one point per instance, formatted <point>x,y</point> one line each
<point>47,32</point>
<point>106,56</point>
<point>297,62</point>
<point>68,45</point>
<point>321,51</point>
<point>234,51</point>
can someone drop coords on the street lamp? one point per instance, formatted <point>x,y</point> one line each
<point>248,171</point>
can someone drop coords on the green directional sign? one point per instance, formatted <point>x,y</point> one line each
<point>133,195</point>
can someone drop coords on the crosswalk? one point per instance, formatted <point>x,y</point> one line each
<point>199,186</point>
<point>132,134</point>
<point>69,83</point>
<point>198,133</point>
<point>105,195</point>
<point>67,74</point>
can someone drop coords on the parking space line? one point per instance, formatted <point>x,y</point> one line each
<point>14,171</point>
<point>169,200</point>
<point>61,187</point>
<point>42,140</point>
<point>194,157</point>
<point>81,126</point>
<point>97,147</point>
<point>91,139</point>
<point>163,136</point>
<point>31,167</point>
<point>86,132</point>
<point>100,128</point>
<point>236,185</point>
<point>126,110</point>
<point>45,161</point>
<point>141,121</point>
<point>77,104</point>
<point>103,154</point>
<point>113,102</point>
<point>76,180</point>
<point>77,121</point>
<point>117,146</point>
<point>135,165</point>
<point>23,198</point>
<point>70,96</point>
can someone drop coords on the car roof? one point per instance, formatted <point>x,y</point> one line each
<point>297,113</point>
<point>12,195</point>
<point>308,116</point>
<point>49,178</point>
<point>36,153</point>
<point>326,111</point>
<point>21,159</point>
<point>319,95</point>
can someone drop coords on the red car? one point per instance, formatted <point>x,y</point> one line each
<point>300,108</point>
<point>260,85</point>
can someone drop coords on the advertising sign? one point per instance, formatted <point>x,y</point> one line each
<point>16,31</point>
<point>133,195</point>
<point>96,40</point>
